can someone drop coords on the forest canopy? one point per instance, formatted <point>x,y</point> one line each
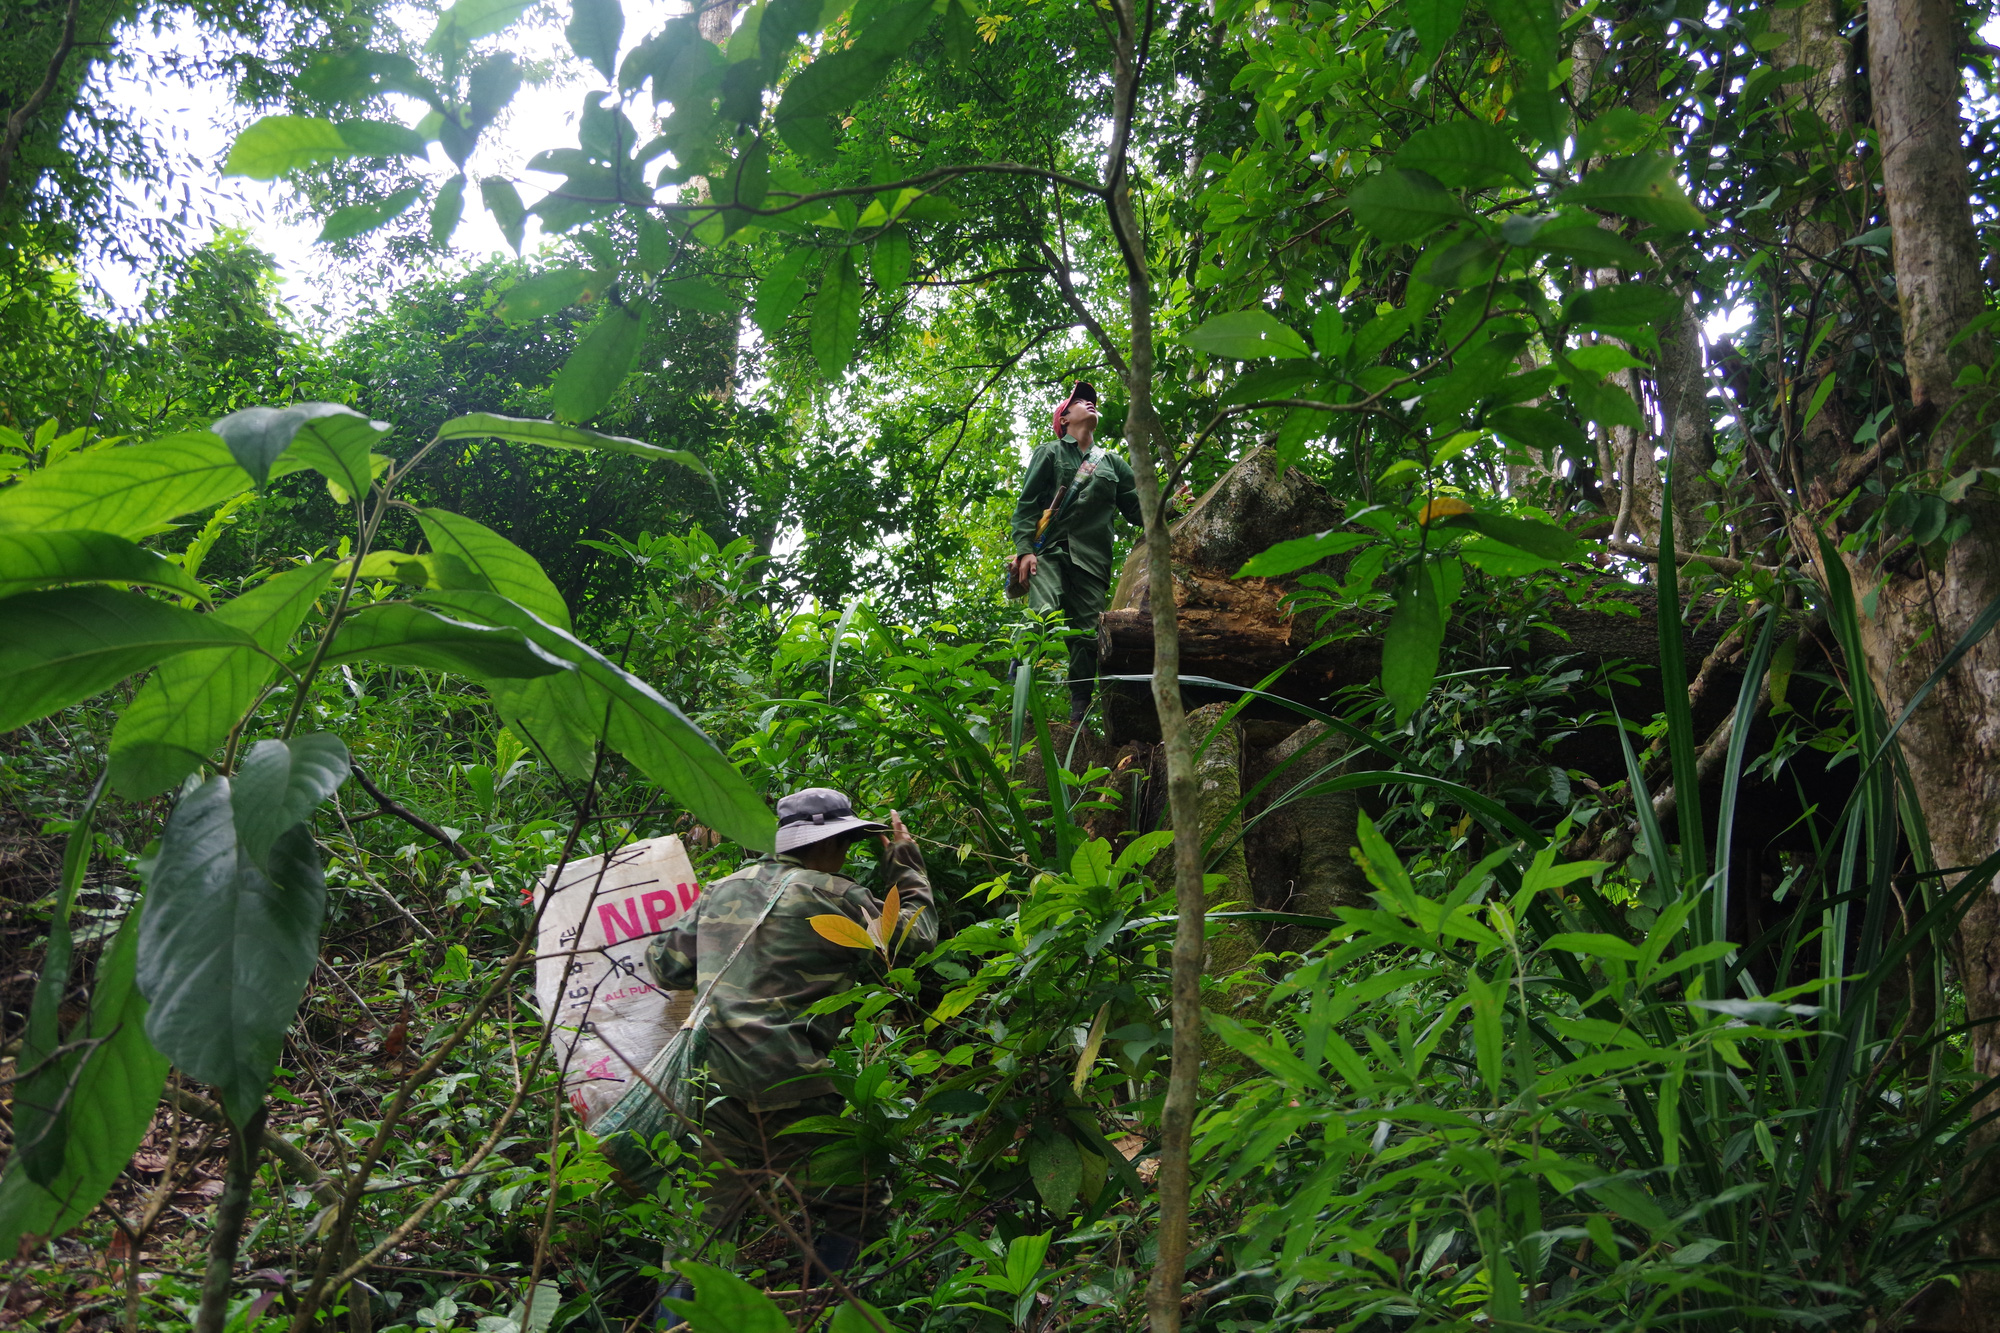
<point>1522,853</point>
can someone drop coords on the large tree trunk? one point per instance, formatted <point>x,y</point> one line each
<point>1952,742</point>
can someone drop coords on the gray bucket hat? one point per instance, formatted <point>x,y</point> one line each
<point>816,814</point>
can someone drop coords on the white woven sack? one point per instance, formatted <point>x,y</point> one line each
<point>590,965</point>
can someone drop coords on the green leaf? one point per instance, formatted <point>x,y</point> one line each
<point>836,317</point>
<point>469,20</point>
<point>503,201</point>
<point>656,244</point>
<point>1523,534</point>
<point>858,1316</point>
<point>380,138</point>
<point>228,940</point>
<point>344,223</point>
<point>31,560</point>
<point>725,1303</point>
<point>703,298</point>
<point>1605,359</point>
<point>110,1106</point>
<point>889,261</point>
<point>1604,403</point>
<point>333,440</point>
<point>1245,335</point>
<point>1400,205</point>
<point>1504,562</point>
<point>130,491</point>
<point>1436,22</point>
<point>275,145</point>
<point>1466,153</point>
<point>446,212</point>
<point>1623,305</point>
<point>290,779</point>
<point>1597,247</point>
<point>832,83</point>
<point>779,293</point>
<point>1535,428</point>
<point>595,29</point>
<point>1643,187</point>
<point>1289,557</point>
<point>402,634</point>
<point>659,740</point>
<point>62,646</point>
<point>1410,645</point>
<point>554,435</point>
<point>588,380</point>
<point>1057,1170</point>
<point>545,293</point>
<point>186,710</point>
<point>504,567</point>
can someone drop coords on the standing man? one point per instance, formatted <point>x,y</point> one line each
<point>752,948</point>
<point>1062,531</point>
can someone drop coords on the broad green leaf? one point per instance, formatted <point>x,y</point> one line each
<point>588,380</point>
<point>186,710</point>
<point>1532,29</point>
<point>289,780</point>
<point>1290,556</point>
<point>31,560</point>
<point>129,491</point>
<point>701,297</point>
<point>554,435</point>
<point>832,83</point>
<point>353,220</point>
<point>62,646</point>
<point>836,317</point>
<point>1535,428</point>
<point>1467,153</point>
<point>1605,359</point>
<point>779,292</point>
<point>1504,562</point>
<point>1597,247</point>
<point>110,1106</point>
<point>595,29</point>
<point>1400,205</point>
<point>1622,305</point>
<point>1245,335</point>
<point>1605,403</point>
<point>381,138</point>
<point>1057,1170</point>
<point>725,1303</point>
<point>659,740</point>
<point>1523,534</point>
<point>1411,643</point>
<point>889,261</point>
<point>1643,187</point>
<point>1489,1042</point>
<point>402,634</point>
<point>545,293</point>
<point>446,212</point>
<point>858,1316</point>
<point>275,145</point>
<point>1436,22</point>
<point>504,567</point>
<point>503,201</point>
<point>469,20</point>
<point>228,941</point>
<point>656,244</point>
<point>332,439</point>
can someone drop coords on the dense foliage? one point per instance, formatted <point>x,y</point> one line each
<point>319,647</point>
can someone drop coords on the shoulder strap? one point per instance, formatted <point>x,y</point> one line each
<point>699,1012</point>
<point>1054,511</point>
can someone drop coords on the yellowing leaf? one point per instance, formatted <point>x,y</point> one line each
<point>1091,1045</point>
<point>885,925</point>
<point>841,931</point>
<point>1445,506</point>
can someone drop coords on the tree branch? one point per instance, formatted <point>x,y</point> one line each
<point>17,124</point>
<point>391,806</point>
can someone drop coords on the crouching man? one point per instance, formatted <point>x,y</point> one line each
<point>752,940</point>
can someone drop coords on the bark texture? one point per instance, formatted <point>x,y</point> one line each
<point>1952,742</point>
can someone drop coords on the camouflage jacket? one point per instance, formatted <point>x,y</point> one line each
<point>761,1046</point>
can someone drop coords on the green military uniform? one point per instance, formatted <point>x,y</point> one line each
<point>766,1057</point>
<point>1073,568</point>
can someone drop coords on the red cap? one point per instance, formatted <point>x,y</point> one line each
<point>1084,390</point>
